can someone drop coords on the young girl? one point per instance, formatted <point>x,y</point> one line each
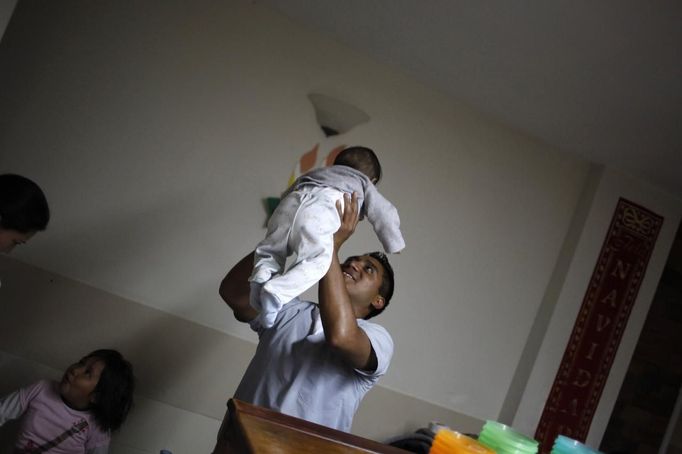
<point>78,414</point>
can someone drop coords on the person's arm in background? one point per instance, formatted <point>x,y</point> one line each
<point>235,288</point>
<point>10,407</point>
<point>336,311</point>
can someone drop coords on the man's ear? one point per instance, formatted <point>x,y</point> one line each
<point>378,302</point>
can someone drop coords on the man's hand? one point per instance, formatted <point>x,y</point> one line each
<point>349,215</point>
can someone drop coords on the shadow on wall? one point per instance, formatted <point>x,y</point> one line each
<point>145,237</point>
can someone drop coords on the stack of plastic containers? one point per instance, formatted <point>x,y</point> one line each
<point>450,442</point>
<point>565,445</point>
<point>505,440</point>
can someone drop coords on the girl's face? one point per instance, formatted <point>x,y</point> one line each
<point>10,238</point>
<point>79,382</point>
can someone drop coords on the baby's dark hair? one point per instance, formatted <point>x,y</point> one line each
<point>114,391</point>
<point>363,159</point>
<point>23,206</point>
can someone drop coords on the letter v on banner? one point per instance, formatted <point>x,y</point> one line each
<point>600,323</point>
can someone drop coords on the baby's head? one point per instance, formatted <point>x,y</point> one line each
<point>362,159</point>
<point>103,384</point>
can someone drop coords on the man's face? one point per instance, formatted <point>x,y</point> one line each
<point>363,275</point>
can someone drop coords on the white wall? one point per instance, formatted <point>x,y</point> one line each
<point>156,132</point>
<point>156,128</point>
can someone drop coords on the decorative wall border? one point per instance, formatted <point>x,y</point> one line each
<point>600,324</point>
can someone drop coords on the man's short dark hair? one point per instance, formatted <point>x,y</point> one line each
<point>23,206</point>
<point>362,159</point>
<point>387,283</point>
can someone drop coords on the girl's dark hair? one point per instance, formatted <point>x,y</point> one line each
<point>23,206</point>
<point>363,159</point>
<point>114,391</point>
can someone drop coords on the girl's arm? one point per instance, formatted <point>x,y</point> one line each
<point>98,450</point>
<point>10,407</point>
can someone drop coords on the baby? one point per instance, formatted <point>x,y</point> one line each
<point>304,224</point>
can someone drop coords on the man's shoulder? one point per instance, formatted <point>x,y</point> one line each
<point>382,344</point>
<point>298,304</point>
<point>293,310</point>
<point>373,328</point>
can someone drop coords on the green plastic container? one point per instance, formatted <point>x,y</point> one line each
<point>506,440</point>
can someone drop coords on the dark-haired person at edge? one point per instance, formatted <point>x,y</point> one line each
<point>23,211</point>
<point>318,371</point>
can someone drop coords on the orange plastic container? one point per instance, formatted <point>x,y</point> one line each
<point>452,442</point>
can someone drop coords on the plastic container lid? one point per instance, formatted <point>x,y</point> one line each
<point>448,441</point>
<point>502,448</point>
<point>565,445</point>
<point>504,439</point>
<point>501,430</point>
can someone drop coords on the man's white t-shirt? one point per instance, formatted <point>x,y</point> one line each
<point>295,372</point>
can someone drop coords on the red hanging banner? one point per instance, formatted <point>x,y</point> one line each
<point>599,326</point>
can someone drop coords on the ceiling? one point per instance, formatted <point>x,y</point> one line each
<point>601,79</point>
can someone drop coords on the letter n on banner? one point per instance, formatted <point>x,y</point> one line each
<point>599,326</point>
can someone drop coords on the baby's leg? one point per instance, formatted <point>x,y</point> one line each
<point>271,253</point>
<point>312,238</point>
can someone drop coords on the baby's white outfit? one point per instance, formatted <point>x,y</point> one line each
<point>304,224</point>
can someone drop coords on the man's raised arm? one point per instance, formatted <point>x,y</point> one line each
<point>234,290</point>
<point>336,310</point>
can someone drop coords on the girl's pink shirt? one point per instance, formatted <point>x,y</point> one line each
<point>46,417</point>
